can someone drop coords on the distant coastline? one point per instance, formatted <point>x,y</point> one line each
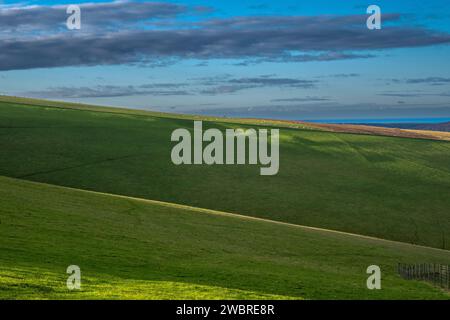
<point>433,124</point>
<point>382,121</point>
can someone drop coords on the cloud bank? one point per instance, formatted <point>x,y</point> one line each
<point>135,39</point>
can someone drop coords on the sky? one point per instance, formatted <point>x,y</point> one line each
<point>299,60</point>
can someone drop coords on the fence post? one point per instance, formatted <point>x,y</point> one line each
<point>434,273</point>
<point>448,276</point>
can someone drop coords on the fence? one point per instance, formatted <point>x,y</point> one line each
<point>438,274</point>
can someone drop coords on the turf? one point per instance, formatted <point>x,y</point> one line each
<point>393,188</point>
<point>139,249</point>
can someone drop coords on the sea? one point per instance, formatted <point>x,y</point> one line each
<point>380,121</point>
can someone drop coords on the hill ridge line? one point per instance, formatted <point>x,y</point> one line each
<point>119,110</point>
<point>229,214</point>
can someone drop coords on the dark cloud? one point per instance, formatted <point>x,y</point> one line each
<point>217,85</point>
<point>402,95</point>
<point>304,99</point>
<point>436,81</point>
<point>299,22</point>
<point>416,94</point>
<point>50,17</point>
<point>270,81</point>
<point>429,80</point>
<point>327,56</point>
<point>226,84</point>
<point>345,75</point>
<point>105,91</point>
<point>163,85</point>
<point>213,80</point>
<point>277,39</point>
<point>224,89</point>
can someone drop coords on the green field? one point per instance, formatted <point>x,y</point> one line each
<point>140,249</point>
<point>384,187</point>
<point>392,188</point>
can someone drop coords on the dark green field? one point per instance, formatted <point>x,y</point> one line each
<point>385,187</point>
<point>138,249</point>
<point>393,188</point>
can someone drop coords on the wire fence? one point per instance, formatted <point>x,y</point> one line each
<point>438,274</point>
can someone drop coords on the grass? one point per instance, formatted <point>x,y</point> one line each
<point>392,188</point>
<point>139,249</point>
<point>35,283</point>
<point>8,100</point>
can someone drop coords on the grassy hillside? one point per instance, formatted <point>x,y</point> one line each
<point>8,100</point>
<point>129,248</point>
<point>393,188</point>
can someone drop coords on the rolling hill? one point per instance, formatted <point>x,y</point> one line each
<point>95,187</point>
<point>386,187</point>
<point>142,249</point>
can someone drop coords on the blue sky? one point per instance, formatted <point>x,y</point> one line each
<point>284,59</point>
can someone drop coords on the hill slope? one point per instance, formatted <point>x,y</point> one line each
<point>139,249</point>
<point>393,188</point>
<point>418,132</point>
<point>443,126</point>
